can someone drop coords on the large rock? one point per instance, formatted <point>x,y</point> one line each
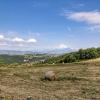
<point>50,75</point>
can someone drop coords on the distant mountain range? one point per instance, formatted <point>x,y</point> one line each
<point>15,52</point>
<point>58,51</point>
<point>45,51</point>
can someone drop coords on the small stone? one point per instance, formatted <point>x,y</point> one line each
<point>29,98</point>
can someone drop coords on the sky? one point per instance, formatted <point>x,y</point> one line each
<point>49,24</point>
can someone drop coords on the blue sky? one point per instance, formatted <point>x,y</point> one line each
<point>43,24</point>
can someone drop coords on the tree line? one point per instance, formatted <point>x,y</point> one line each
<point>81,54</point>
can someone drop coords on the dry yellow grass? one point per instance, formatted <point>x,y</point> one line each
<point>79,81</point>
<point>93,60</point>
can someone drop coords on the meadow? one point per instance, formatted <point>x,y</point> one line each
<point>75,81</point>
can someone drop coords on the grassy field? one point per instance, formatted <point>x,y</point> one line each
<point>77,81</point>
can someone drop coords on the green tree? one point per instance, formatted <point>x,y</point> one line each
<point>69,58</point>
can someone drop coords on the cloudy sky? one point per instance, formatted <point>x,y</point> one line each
<point>43,24</point>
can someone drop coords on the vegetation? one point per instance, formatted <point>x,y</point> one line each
<point>75,81</point>
<point>8,59</point>
<point>11,59</point>
<point>82,54</point>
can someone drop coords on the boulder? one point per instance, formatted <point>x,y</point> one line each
<point>50,75</point>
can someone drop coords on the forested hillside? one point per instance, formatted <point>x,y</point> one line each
<point>35,58</point>
<point>82,54</point>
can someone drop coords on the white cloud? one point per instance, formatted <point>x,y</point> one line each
<point>32,41</point>
<point>1,37</point>
<point>88,17</point>
<point>17,39</point>
<point>92,18</point>
<point>3,44</point>
<point>61,46</point>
